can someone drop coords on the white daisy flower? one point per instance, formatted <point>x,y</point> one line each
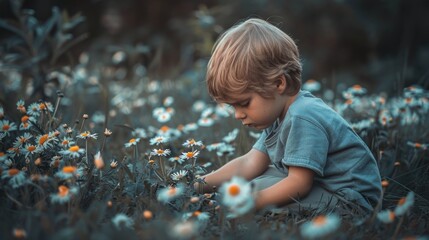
<point>21,140</point>
<point>189,127</point>
<point>190,155</point>
<point>121,220</point>
<point>31,149</point>
<point>140,133</point>
<point>132,142</point>
<point>158,111</point>
<point>205,122</point>
<point>86,135</point>
<point>44,141</point>
<point>404,204</point>
<point>68,172</point>
<point>170,193</point>
<point>231,136</point>
<point>176,176</point>
<point>33,110</point>
<point>176,159</point>
<point>168,101</point>
<point>237,196</point>
<point>3,156</point>
<point>386,216</point>
<point>320,226</point>
<point>74,151</point>
<point>16,177</point>
<point>207,112</point>
<point>64,194</point>
<point>158,140</point>
<point>311,85</point>
<point>184,230</point>
<point>202,217</point>
<point>255,135</point>
<point>191,142</point>
<point>164,117</point>
<point>20,106</point>
<point>161,152</point>
<point>6,127</point>
<point>66,142</point>
<point>224,110</point>
<point>199,106</point>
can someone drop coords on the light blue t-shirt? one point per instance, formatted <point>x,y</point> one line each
<point>314,136</point>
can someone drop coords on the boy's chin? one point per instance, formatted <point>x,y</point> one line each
<point>257,127</point>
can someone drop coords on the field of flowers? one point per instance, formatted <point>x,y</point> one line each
<point>106,152</point>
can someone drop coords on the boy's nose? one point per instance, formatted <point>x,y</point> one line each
<point>239,115</point>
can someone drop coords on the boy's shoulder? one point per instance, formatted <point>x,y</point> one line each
<point>307,105</point>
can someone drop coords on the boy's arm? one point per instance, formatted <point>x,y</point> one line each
<point>248,166</point>
<point>297,184</point>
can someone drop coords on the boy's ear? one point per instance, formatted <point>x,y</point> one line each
<point>281,84</point>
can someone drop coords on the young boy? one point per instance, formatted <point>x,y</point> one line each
<point>307,154</point>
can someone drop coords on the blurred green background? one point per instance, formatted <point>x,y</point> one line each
<point>383,45</point>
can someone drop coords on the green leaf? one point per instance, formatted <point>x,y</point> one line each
<point>4,24</point>
<point>46,28</point>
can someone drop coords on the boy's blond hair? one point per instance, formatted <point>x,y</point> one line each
<point>250,57</point>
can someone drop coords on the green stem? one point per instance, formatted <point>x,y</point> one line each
<point>86,152</point>
<point>104,143</point>
<point>161,164</point>
<point>81,126</point>
<point>401,220</point>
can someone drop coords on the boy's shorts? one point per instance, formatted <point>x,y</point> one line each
<point>319,198</point>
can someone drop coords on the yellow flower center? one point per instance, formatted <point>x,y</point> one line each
<point>65,142</point>
<point>85,134</point>
<point>132,140</point>
<point>160,151</point>
<point>234,190</point>
<point>391,215</point>
<point>31,148</point>
<point>74,148</point>
<point>13,171</point>
<point>402,201</point>
<point>196,213</point>
<point>69,169</point>
<point>147,214</point>
<point>5,127</point>
<point>25,118</point>
<point>43,139</point>
<point>192,141</point>
<point>63,191</point>
<point>42,106</point>
<point>164,128</point>
<point>189,154</point>
<point>408,100</point>
<point>357,87</point>
<point>319,220</point>
<point>2,154</point>
<point>172,191</point>
<point>349,101</point>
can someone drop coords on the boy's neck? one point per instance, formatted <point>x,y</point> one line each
<point>288,101</point>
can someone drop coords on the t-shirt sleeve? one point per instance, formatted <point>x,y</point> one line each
<point>306,146</point>
<point>260,143</point>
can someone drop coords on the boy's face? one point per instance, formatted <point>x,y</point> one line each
<point>255,111</point>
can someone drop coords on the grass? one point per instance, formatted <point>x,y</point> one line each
<point>56,191</point>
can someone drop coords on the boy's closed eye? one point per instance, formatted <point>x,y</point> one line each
<point>243,103</point>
